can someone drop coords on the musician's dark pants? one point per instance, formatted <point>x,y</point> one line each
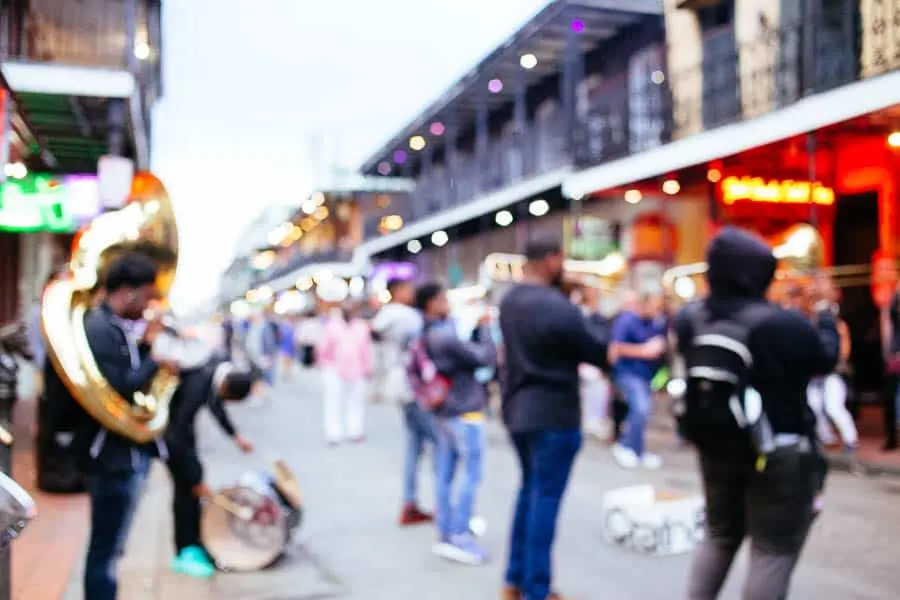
<point>114,499</point>
<point>185,511</point>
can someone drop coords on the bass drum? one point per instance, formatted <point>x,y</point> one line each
<point>257,539</point>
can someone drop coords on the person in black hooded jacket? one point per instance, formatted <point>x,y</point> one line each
<point>772,506</point>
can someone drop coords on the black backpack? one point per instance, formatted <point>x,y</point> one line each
<point>717,365</point>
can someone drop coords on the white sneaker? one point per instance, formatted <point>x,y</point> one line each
<point>626,457</point>
<point>650,461</point>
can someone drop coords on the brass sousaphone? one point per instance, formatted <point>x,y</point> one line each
<point>145,224</point>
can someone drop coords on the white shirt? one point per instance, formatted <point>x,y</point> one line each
<point>398,324</point>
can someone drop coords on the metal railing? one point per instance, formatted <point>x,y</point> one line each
<point>538,149</point>
<point>299,258</point>
<point>733,82</point>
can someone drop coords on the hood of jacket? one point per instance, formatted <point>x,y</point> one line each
<point>740,265</point>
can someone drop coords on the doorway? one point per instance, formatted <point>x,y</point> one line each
<point>855,240</point>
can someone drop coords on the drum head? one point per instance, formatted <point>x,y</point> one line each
<point>245,545</point>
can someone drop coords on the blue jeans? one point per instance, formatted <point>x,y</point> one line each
<point>546,459</point>
<point>639,398</point>
<point>114,499</point>
<point>419,431</point>
<point>459,442</point>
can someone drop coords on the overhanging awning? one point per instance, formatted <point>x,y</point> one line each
<point>67,80</point>
<point>67,108</point>
<point>811,113</point>
<point>474,209</point>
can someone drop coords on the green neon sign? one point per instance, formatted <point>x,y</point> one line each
<point>36,203</point>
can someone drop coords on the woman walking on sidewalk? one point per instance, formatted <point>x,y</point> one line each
<point>344,353</point>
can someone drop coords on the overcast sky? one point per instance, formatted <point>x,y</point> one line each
<point>249,84</point>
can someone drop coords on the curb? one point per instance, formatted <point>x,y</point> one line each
<point>871,468</point>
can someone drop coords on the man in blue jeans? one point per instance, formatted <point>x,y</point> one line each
<point>395,326</point>
<point>638,342</point>
<point>545,338</point>
<point>460,422</point>
<point>115,466</point>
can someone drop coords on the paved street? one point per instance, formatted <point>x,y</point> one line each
<point>350,547</point>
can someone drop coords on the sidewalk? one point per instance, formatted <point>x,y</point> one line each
<point>144,572</point>
<point>59,531</point>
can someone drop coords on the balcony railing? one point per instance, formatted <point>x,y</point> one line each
<point>299,258</point>
<point>542,147</point>
<point>734,82</point>
<point>648,105</point>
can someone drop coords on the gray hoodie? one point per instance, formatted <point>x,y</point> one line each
<point>458,360</point>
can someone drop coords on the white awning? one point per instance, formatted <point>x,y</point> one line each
<point>811,113</point>
<point>89,82</point>
<point>478,207</point>
<point>68,80</point>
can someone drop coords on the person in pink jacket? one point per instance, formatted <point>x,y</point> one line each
<point>344,355</point>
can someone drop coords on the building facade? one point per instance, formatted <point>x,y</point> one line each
<point>668,122</point>
<point>290,248</point>
<point>79,81</point>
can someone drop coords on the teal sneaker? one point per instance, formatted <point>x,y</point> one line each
<point>193,562</point>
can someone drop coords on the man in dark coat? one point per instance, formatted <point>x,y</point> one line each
<point>210,385</point>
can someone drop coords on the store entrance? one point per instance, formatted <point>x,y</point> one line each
<point>855,240</point>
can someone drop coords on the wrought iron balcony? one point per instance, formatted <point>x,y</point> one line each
<point>296,258</point>
<point>540,148</point>
<point>733,82</point>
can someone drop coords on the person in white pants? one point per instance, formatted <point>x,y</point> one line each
<point>344,354</point>
<point>827,397</point>
<point>595,394</point>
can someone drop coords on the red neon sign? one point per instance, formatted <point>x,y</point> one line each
<point>757,189</point>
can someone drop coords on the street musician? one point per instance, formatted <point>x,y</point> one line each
<point>205,381</point>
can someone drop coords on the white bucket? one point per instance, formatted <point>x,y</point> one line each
<point>649,520</point>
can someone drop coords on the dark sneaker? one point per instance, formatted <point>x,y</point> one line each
<point>411,515</point>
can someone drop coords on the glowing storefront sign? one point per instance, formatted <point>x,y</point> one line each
<point>394,270</point>
<point>757,189</point>
<point>48,203</point>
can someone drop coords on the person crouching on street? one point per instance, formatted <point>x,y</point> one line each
<point>344,353</point>
<point>460,421</point>
<point>210,385</point>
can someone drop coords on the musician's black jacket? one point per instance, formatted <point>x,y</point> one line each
<point>197,390</point>
<point>96,448</point>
